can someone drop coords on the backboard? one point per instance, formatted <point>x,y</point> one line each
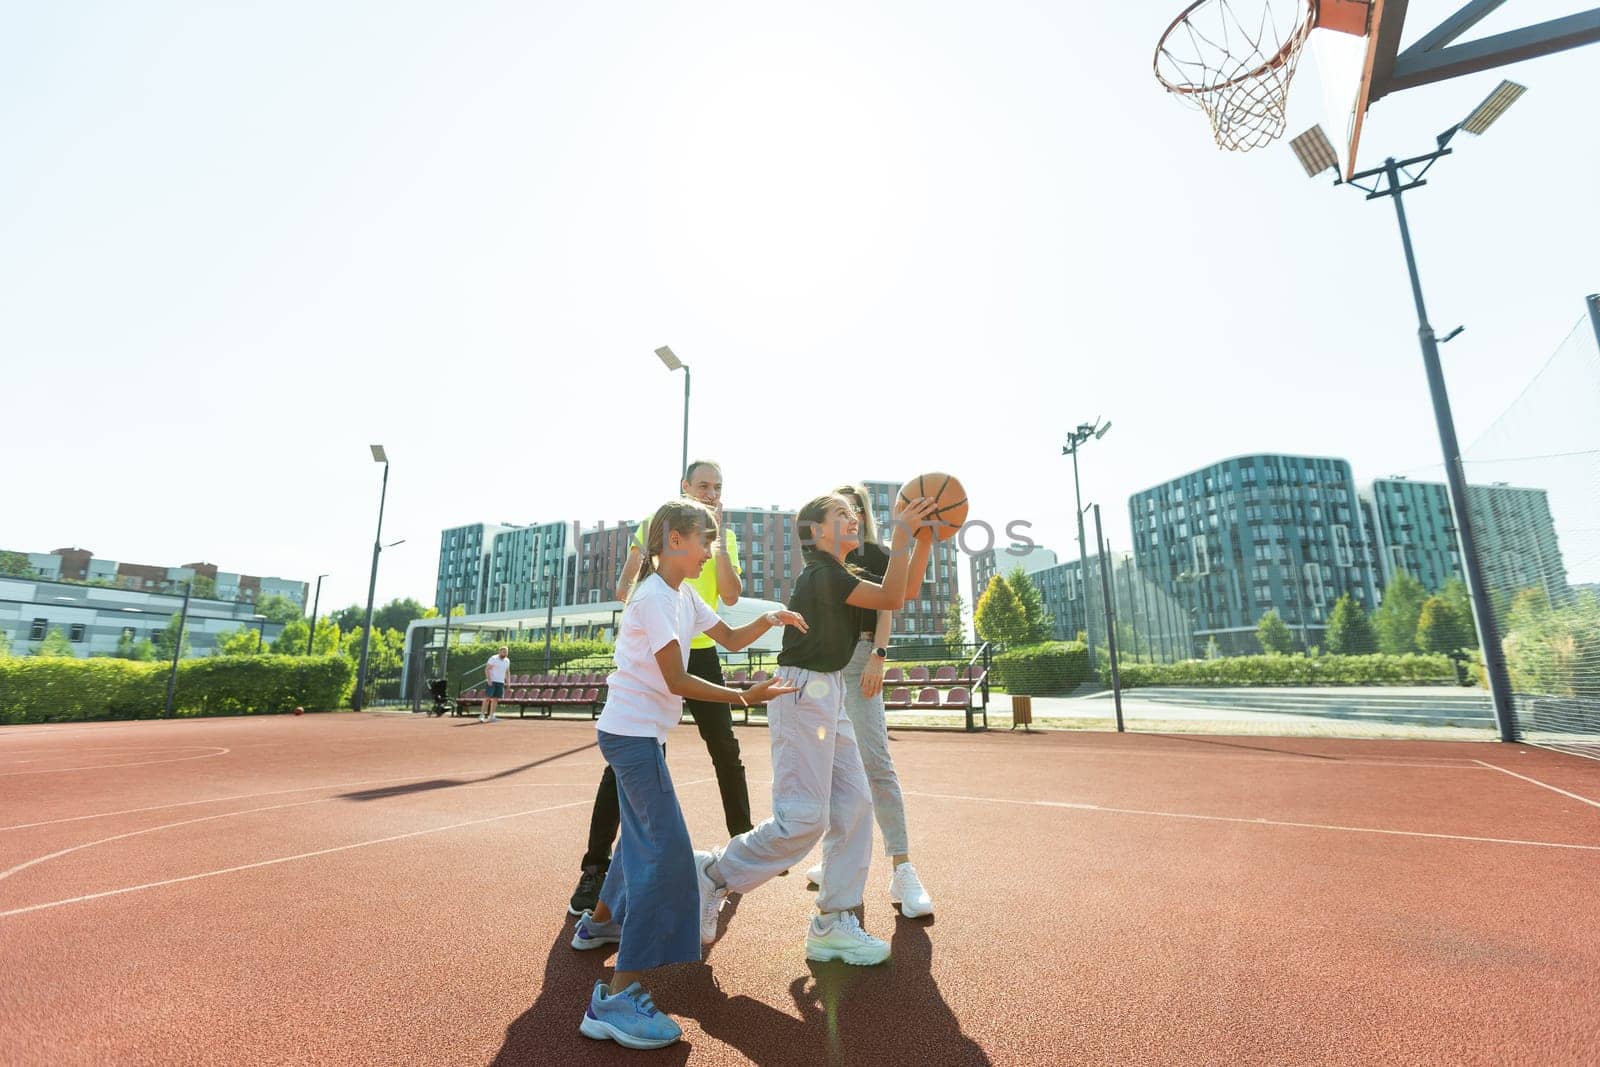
<point>1344,51</point>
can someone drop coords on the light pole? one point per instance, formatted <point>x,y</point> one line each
<point>1111,619</point>
<point>1075,441</point>
<point>1391,180</point>
<point>378,456</point>
<point>549,610</point>
<point>177,646</point>
<point>261,630</point>
<point>316,601</point>
<point>674,363</point>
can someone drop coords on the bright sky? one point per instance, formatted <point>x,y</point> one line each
<point>238,243</point>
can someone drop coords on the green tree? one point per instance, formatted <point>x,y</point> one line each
<point>292,640</point>
<point>141,651</point>
<point>326,642</point>
<point>164,639</point>
<point>55,643</point>
<point>955,623</point>
<point>998,617</point>
<point>204,587</point>
<point>397,614</point>
<point>1455,591</point>
<point>16,565</point>
<point>1350,632</point>
<point>350,618</point>
<point>1273,633</point>
<point>1442,628</point>
<point>1398,613</point>
<point>245,641</point>
<point>5,644</point>
<point>385,654</point>
<point>1031,604</point>
<point>278,609</point>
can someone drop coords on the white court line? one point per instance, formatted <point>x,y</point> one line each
<point>286,859</point>
<point>1542,785</point>
<point>1259,822</point>
<point>114,766</point>
<point>311,855</point>
<point>1455,763</point>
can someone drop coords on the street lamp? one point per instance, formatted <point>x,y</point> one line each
<point>315,602</point>
<point>1075,440</point>
<point>378,456</point>
<point>672,362</point>
<point>1391,180</point>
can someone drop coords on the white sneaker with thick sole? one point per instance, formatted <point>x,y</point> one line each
<point>711,898</point>
<point>906,890</point>
<point>841,938</point>
<point>814,875</point>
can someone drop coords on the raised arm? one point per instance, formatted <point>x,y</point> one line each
<point>909,525</point>
<point>630,573</point>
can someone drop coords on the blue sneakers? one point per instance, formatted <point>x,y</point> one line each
<point>629,1018</point>
<point>591,934</point>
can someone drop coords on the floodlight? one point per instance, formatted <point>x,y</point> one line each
<point>378,455</point>
<point>1494,105</point>
<point>664,353</point>
<point>1102,432</point>
<point>1315,152</point>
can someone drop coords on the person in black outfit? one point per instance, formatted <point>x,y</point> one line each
<point>719,584</point>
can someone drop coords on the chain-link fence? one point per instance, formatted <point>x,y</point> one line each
<point>1534,502</point>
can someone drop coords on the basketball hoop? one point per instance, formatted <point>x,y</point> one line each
<point>1234,60</point>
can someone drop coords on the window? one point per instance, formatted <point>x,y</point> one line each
<point>1397,557</point>
<point>1202,556</point>
<point>36,631</point>
<point>75,632</point>
<point>1342,556</point>
<point>127,633</point>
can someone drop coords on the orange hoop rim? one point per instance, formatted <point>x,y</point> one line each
<point>1292,45</point>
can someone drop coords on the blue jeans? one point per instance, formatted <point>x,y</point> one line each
<point>653,869</point>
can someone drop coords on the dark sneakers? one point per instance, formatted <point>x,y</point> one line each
<point>587,895</point>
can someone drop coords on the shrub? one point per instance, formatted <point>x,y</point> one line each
<point>1410,669</point>
<point>1036,670</point>
<point>54,690</point>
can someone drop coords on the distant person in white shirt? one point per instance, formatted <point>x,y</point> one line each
<point>495,673</point>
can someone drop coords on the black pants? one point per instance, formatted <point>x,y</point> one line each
<point>715,723</point>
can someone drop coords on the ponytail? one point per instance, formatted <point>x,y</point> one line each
<point>681,516</point>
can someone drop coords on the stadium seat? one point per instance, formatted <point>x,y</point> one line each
<point>898,700</point>
<point>958,699</point>
<point>894,676</point>
<point>928,698</point>
<point>945,676</point>
<point>917,676</point>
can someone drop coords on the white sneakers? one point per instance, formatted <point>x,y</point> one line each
<point>906,890</point>
<point>840,937</point>
<point>711,897</point>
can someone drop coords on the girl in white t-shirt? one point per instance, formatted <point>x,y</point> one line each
<point>652,893</point>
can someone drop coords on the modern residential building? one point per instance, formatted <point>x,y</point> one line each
<point>96,619</point>
<point>986,564</point>
<point>79,565</point>
<point>494,569</point>
<point>1244,535</point>
<point>1515,531</point>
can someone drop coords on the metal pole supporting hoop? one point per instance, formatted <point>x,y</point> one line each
<point>1234,60</point>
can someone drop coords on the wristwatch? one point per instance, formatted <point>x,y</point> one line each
<point>881,653</point>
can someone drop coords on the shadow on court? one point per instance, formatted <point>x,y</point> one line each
<point>450,783</point>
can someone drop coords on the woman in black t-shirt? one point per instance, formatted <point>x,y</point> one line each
<point>818,784</point>
<point>863,703</point>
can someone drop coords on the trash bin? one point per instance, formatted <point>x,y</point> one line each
<point>1021,711</point>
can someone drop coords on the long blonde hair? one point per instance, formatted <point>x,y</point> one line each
<point>683,516</point>
<point>863,501</point>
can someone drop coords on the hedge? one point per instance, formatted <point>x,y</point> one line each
<point>1037,670</point>
<point>1411,669</point>
<point>36,689</point>
<point>527,657</point>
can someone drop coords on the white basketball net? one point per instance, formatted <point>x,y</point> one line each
<point>1234,59</point>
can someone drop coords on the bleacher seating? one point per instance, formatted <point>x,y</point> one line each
<point>928,698</point>
<point>897,699</point>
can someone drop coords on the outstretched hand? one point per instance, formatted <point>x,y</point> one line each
<point>762,692</point>
<point>785,617</point>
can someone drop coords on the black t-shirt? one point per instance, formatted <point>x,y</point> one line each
<point>873,563</point>
<point>819,595</point>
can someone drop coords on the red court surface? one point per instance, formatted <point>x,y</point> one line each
<point>381,889</point>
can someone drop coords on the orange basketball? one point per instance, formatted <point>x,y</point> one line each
<point>950,501</point>
<point>299,711</point>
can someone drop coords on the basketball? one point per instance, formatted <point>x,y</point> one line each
<point>299,711</point>
<point>950,501</point>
